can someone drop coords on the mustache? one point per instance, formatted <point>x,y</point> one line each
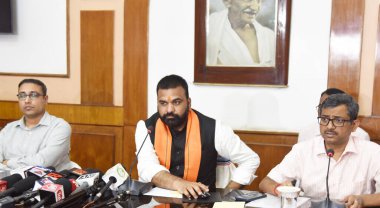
<point>250,10</point>
<point>169,114</point>
<point>330,132</point>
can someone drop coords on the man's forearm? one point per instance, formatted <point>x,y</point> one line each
<point>268,185</point>
<point>371,200</point>
<point>234,185</point>
<point>166,180</point>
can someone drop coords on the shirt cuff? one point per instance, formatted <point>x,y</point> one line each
<point>12,163</point>
<point>242,177</point>
<point>149,172</point>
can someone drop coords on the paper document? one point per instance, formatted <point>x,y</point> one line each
<point>164,193</point>
<point>272,201</point>
<point>228,205</point>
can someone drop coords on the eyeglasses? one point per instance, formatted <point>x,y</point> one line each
<point>337,122</point>
<point>32,95</point>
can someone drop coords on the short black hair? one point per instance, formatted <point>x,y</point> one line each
<point>173,81</point>
<point>37,82</point>
<point>342,99</point>
<point>332,91</point>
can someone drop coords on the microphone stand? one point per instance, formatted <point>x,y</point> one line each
<point>133,187</point>
<point>330,154</point>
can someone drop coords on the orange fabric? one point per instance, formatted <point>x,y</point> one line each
<point>193,146</point>
<point>162,206</point>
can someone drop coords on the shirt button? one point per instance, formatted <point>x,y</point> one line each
<point>177,167</point>
<point>178,152</point>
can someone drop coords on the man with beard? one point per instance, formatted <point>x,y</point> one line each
<point>184,145</point>
<point>235,38</point>
<point>38,138</point>
<point>354,169</point>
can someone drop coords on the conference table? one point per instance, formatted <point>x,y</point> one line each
<point>148,201</point>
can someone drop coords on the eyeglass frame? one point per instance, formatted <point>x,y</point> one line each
<point>332,121</point>
<point>32,95</point>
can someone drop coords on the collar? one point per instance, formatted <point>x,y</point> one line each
<point>350,147</point>
<point>44,121</point>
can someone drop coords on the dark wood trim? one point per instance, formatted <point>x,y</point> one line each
<point>277,75</point>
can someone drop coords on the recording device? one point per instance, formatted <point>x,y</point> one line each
<point>134,187</point>
<point>9,181</point>
<point>330,154</point>
<point>53,192</point>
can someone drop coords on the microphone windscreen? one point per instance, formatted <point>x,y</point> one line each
<point>67,185</point>
<point>94,170</point>
<point>12,179</point>
<point>24,185</point>
<point>330,152</point>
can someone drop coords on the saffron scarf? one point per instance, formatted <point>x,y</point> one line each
<point>193,146</point>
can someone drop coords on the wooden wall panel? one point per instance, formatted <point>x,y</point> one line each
<point>96,147</point>
<point>376,87</point>
<point>345,45</point>
<point>97,53</point>
<point>270,146</point>
<point>372,125</point>
<point>129,149</point>
<point>135,96</point>
<point>80,114</point>
<point>135,60</point>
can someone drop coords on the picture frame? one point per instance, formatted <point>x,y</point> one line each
<point>275,75</point>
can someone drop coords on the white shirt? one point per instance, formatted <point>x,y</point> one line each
<point>225,46</point>
<point>357,171</point>
<point>46,144</point>
<point>227,144</point>
<point>312,131</point>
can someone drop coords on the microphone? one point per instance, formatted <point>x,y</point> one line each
<point>88,184</point>
<point>9,181</point>
<point>85,181</point>
<point>135,187</point>
<point>11,201</point>
<point>53,192</point>
<point>21,186</point>
<point>330,154</point>
<point>111,181</point>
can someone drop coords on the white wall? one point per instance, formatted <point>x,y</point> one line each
<point>171,51</point>
<point>38,44</point>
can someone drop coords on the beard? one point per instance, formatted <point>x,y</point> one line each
<point>175,120</point>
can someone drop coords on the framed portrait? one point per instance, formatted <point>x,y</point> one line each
<point>242,42</point>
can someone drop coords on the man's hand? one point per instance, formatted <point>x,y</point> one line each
<point>166,180</point>
<point>5,162</point>
<point>190,189</point>
<point>353,201</point>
